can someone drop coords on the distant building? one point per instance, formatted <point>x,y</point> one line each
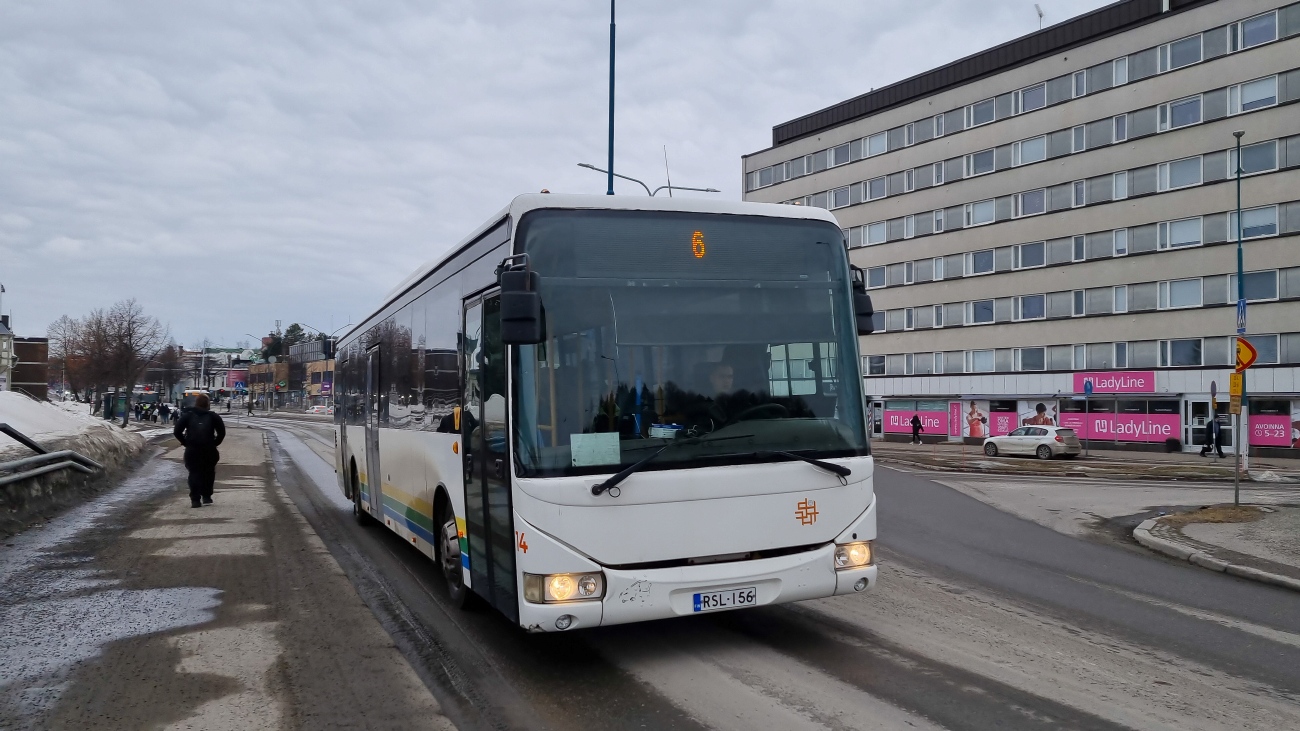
<point>1060,211</point>
<point>7,356</point>
<point>31,373</point>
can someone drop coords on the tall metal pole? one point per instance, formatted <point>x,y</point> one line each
<point>1241,330</point>
<point>610,189</point>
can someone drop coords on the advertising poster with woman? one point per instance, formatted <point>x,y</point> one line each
<point>975,419</point>
<point>1038,413</point>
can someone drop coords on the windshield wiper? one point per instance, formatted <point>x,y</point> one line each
<point>623,474</point>
<point>839,470</point>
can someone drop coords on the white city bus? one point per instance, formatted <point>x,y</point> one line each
<point>599,410</point>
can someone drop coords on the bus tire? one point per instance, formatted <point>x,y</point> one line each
<point>448,555</point>
<point>363,518</point>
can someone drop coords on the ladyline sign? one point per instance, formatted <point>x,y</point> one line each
<point>1112,382</point>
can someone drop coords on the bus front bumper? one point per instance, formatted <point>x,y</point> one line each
<point>644,594</point>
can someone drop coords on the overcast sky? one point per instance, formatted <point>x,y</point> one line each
<point>233,163</point>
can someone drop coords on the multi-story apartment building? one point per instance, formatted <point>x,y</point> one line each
<point>1061,210</point>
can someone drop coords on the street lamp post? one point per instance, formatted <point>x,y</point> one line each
<point>1241,330</point>
<point>649,192</point>
<point>610,189</point>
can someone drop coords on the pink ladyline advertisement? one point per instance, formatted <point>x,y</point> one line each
<point>954,418</point>
<point>1270,430</point>
<point>932,422</point>
<point>1001,423</point>
<point>1123,427</point>
<point>1117,382</point>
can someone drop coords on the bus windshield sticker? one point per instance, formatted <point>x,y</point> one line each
<point>595,449</point>
<point>664,431</point>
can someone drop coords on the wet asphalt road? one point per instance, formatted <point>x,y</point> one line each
<point>981,620</point>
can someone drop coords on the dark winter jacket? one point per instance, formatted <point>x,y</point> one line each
<point>199,429</point>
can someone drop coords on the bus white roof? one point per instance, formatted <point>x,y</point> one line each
<point>532,201</point>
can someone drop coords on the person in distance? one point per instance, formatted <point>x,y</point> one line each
<point>200,431</point>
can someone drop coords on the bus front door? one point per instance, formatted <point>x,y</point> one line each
<point>489,523</point>
<point>374,482</point>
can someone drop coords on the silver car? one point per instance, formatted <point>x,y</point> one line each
<point>1044,442</point>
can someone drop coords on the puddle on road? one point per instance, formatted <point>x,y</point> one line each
<point>48,595</point>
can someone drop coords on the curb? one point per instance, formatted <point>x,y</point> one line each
<point>1143,535</point>
<point>958,469</point>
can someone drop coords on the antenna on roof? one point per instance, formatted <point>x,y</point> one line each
<point>667,174</point>
<point>1040,15</point>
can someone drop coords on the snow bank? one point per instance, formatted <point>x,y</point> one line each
<point>64,425</point>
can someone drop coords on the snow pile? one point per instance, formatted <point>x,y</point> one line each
<point>46,422</point>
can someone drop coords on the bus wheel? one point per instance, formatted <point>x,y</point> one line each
<point>363,518</point>
<point>449,557</point>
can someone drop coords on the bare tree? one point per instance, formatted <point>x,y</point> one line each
<point>135,340</point>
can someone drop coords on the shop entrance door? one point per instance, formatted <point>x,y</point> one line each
<point>1196,423</point>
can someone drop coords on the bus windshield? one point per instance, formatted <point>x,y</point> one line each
<point>663,325</point>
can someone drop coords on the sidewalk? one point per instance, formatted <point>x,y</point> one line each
<point>1259,543</point>
<point>957,457</point>
<point>153,614</point>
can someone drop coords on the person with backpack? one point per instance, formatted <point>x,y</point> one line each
<point>917,428</point>
<point>200,431</point>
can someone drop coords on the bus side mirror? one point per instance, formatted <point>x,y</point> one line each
<point>862,309</point>
<point>521,302</point>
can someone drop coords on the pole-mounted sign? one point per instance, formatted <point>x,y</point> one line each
<point>1246,354</point>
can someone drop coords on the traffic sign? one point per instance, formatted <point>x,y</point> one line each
<point>1087,387</point>
<point>1235,406</point>
<point>1241,317</point>
<point>1234,384</point>
<point>1246,354</point>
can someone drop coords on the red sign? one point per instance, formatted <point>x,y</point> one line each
<point>1117,382</point>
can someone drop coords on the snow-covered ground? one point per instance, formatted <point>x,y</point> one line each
<point>46,422</point>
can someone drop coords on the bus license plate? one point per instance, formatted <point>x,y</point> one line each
<point>728,599</point>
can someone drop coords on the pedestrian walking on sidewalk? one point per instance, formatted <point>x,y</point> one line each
<point>1213,438</point>
<point>201,431</point>
<point>917,428</point>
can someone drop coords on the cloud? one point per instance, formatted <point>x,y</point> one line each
<point>230,164</point>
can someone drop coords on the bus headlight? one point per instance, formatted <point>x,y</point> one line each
<point>553,588</point>
<point>852,555</point>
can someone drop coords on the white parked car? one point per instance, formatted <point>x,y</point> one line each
<point>1044,442</point>
<point>322,410</point>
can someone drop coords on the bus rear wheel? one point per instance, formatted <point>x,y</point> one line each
<point>362,517</point>
<point>448,548</point>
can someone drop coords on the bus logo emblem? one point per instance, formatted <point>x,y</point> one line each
<point>806,512</point>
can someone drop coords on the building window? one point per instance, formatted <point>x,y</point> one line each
<point>1266,346</point>
<point>1121,355</point>
<point>938,363</point>
<point>840,197</point>
<point>876,189</point>
<point>1181,113</point>
<point>840,155</point>
<point>1031,202</point>
<point>1121,299</point>
<point>1030,150</point>
<point>909,180</point>
<point>1078,253</point>
<point>1260,157</point>
<point>980,262</point>
<point>909,318</point>
<point>1078,303</point>
<point>1176,234</point>
<point>1120,70</point>
<point>1255,223</point>
<point>979,312</point>
<point>1119,125</point>
<point>1031,359</point>
<point>1031,98</point>
<point>909,134</point>
<point>1121,242</point>
<point>1179,173</point>
<point>1119,186</point>
<point>938,173</point>
<point>1031,307</point>
<point>938,125</point>
<point>980,113</point>
<point>1180,293</point>
<point>979,163</point>
<point>938,268</point>
<point>938,315</point>
<point>938,221</point>
<point>1080,357</point>
<point>1079,194</point>
<point>909,270</point>
<point>1030,256</point>
<point>1255,31</point>
<point>877,144</point>
<point>909,226</point>
<point>1252,95</point>
<point>1080,83</point>
<point>1180,53</point>
<point>1259,286</point>
<point>979,361</point>
<point>875,365</point>
<point>876,233</point>
<point>875,277</point>
<point>1079,139</point>
<point>980,212</point>
<point>1174,353</point>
